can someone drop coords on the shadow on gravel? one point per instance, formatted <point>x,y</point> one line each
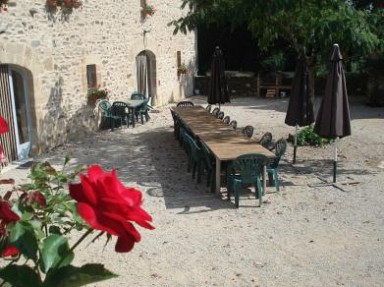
<point>152,159</point>
<point>160,166</point>
<point>322,169</point>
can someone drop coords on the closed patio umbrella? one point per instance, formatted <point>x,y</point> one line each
<point>300,107</point>
<point>333,120</point>
<point>218,87</point>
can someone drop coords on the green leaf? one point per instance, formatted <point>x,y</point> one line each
<point>71,276</point>
<point>23,237</point>
<point>53,229</point>
<point>55,251</point>
<point>20,276</point>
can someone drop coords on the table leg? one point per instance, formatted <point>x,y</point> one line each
<point>133,117</point>
<point>218,176</point>
<point>264,179</point>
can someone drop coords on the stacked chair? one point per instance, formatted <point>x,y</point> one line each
<point>107,117</point>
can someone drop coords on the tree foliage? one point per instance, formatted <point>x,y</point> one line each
<point>311,24</point>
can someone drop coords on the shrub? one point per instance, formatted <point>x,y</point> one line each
<point>307,136</point>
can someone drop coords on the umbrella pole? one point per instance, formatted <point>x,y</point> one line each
<point>334,159</point>
<point>295,145</point>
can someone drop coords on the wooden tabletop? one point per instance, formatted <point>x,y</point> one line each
<point>224,142</point>
<point>135,103</point>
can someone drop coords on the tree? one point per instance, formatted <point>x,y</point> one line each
<point>357,25</point>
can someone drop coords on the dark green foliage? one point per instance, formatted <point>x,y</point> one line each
<point>307,136</point>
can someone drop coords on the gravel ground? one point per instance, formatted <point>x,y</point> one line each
<point>311,233</point>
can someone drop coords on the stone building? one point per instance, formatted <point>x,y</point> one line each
<point>49,59</point>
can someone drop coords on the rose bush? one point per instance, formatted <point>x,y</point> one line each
<point>36,219</point>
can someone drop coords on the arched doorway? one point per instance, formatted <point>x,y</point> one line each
<point>15,109</point>
<point>146,74</point>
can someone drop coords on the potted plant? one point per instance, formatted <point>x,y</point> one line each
<point>149,10</point>
<point>66,6</point>
<point>182,69</point>
<point>95,94</point>
<point>3,5</point>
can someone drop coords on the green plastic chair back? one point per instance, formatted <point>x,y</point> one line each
<point>196,156</point>
<point>233,124</point>
<point>266,140</point>
<point>220,115</point>
<point>121,109</point>
<point>248,131</point>
<point>280,148</point>
<point>273,165</point>
<point>215,112</point>
<point>245,170</point>
<point>209,162</point>
<point>105,109</point>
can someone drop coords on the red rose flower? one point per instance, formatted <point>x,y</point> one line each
<point>10,251</point>
<point>67,3</point>
<point>3,125</point>
<point>6,213</point>
<point>7,216</point>
<point>107,205</point>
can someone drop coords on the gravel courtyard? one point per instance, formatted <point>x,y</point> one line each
<point>311,233</point>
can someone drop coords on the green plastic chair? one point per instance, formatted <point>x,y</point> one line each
<point>176,126</point>
<point>143,111</point>
<point>248,131</point>
<point>107,116</point>
<point>209,165</point>
<point>184,143</point>
<point>246,169</point>
<point>273,165</point>
<point>121,109</point>
<point>233,124</point>
<point>196,156</point>
<point>227,120</point>
<point>215,112</point>
<point>220,115</point>
<point>266,140</point>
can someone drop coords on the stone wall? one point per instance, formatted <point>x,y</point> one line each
<point>54,51</point>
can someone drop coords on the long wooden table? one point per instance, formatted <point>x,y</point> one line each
<point>223,141</point>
